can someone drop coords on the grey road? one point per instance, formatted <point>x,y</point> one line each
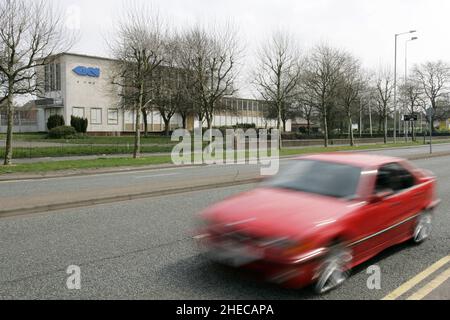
<point>143,249</point>
<point>25,194</point>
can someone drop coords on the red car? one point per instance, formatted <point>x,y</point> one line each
<point>321,217</point>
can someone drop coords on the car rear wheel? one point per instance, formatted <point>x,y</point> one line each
<point>424,227</point>
<point>333,271</point>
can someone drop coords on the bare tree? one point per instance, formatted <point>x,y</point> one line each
<point>138,49</point>
<point>211,58</point>
<point>278,74</point>
<point>411,95</point>
<point>350,88</point>
<point>30,34</point>
<point>321,80</point>
<point>434,78</point>
<point>169,83</point>
<point>384,87</point>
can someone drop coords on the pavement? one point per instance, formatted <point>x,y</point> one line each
<point>144,248</point>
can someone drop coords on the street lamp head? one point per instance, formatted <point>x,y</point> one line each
<point>412,31</point>
<point>414,38</point>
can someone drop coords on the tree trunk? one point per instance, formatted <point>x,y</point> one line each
<point>144,116</point>
<point>280,138</point>
<point>184,120</point>
<point>9,131</point>
<point>200,121</point>
<point>166,127</point>
<point>137,138</point>
<point>350,126</point>
<point>385,129</point>
<point>325,129</point>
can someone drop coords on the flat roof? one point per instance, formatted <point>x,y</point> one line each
<point>81,56</point>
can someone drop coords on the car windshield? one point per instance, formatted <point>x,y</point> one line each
<point>319,177</point>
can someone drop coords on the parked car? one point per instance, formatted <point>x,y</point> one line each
<point>324,215</point>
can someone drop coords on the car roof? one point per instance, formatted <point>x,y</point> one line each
<point>362,160</point>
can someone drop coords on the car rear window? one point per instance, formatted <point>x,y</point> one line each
<point>319,177</point>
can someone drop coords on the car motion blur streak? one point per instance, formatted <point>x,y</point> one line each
<point>321,217</point>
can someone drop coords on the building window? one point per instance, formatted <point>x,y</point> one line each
<point>129,117</point>
<point>58,77</point>
<point>47,78</point>
<point>78,112</point>
<point>113,116</point>
<point>96,116</point>
<point>52,75</point>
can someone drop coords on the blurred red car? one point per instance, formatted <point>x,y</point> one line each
<point>321,217</point>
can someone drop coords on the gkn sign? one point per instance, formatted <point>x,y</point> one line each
<point>87,72</point>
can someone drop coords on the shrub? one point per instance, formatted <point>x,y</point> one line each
<point>80,124</point>
<point>55,121</point>
<point>62,132</point>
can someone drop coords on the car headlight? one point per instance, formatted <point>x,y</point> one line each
<point>297,249</point>
<point>286,247</point>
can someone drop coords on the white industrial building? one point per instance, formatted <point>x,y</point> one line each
<point>80,85</point>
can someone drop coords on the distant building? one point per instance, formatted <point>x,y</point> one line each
<point>301,125</point>
<point>80,85</point>
<point>25,119</point>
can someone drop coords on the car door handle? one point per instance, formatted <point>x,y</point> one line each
<point>396,204</point>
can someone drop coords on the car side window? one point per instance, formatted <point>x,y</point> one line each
<point>405,178</point>
<point>384,181</point>
<point>394,177</point>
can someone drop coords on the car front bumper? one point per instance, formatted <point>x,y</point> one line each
<point>294,272</point>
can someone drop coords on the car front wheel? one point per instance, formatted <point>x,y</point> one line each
<point>423,228</point>
<point>333,270</point>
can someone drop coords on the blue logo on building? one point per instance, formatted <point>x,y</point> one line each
<point>87,72</point>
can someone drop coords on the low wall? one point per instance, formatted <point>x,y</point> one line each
<point>21,129</point>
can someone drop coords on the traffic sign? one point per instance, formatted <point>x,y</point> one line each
<point>410,117</point>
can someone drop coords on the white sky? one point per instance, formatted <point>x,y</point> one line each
<point>364,27</point>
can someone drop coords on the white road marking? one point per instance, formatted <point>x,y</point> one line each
<point>157,175</point>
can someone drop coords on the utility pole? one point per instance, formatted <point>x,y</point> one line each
<point>395,84</point>
<point>431,131</point>
<point>370,118</point>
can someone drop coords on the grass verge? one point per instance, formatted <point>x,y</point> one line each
<point>67,151</point>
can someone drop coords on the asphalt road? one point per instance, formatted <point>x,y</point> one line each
<point>143,249</point>
<point>25,194</point>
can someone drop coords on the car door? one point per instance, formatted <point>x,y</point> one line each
<point>376,222</point>
<point>376,215</point>
<point>395,210</point>
<point>410,196</point>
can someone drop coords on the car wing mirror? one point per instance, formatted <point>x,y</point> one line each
<point>381,195</point>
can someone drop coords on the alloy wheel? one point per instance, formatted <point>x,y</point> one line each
<point>333,271</point>
<point>423,228</point>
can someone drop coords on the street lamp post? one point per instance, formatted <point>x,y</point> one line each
<point>406,81</point>
<point>395,82</point>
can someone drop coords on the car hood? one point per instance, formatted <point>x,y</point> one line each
<point>277,212</point>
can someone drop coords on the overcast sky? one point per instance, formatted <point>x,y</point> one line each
<point>364,27</point>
